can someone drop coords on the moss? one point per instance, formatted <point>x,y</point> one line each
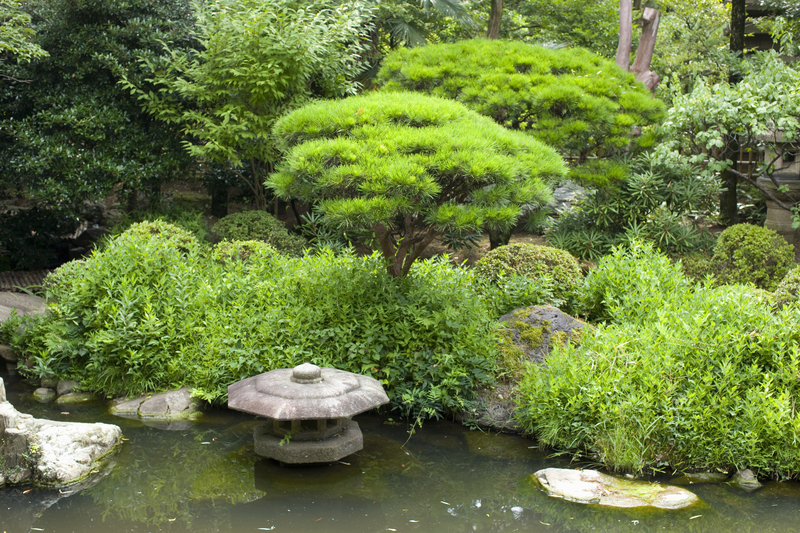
<point>751,254</point>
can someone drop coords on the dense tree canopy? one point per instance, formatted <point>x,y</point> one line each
<point>572,99</point>
<point>256,61</point>
<point>71,134</point>
<point>410,167</point>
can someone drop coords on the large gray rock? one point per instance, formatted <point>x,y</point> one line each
<point>528,334</point>
<point>25,304</point>
<point>49,453</point>
<point>7,354</point>
<point>593,487</point>
<point>534,330</point>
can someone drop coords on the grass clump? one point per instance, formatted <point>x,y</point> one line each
<point>700,378</point>
<point>144,314</point>
<point>260,226</point>
<point>752,254</point>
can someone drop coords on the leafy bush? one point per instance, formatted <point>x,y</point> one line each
<point>260,226</point>
<point>189,218</point>
<point>707,382</point>
<point>653,204</point>
<point>751,254</point>
<point>533,261</point>
<point>513,291</point>
<point>632,284</point>
<point>572,99</point>
<point>787,289</point>
<point>142,315</point>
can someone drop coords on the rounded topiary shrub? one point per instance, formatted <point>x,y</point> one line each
<point>787,289</point>
<point>260,226</point>
<point>533,260</point>
<point>227,251</point>
<point>144,231</point>
<point>751,254</point>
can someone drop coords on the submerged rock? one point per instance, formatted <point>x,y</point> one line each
<point>745,480</point>
<point>169,406</point>
<point>593,487</point>
<point>49,453</point>
<point>698,478</point>
<point>72,398</point>
<point>44,395</point>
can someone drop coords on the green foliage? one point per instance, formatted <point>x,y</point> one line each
<point>787,290</point>
<point>72,134</point>
<point>593,25</point>
<point>708,382</point>
<point>760,113</point>
<point>632,284</point>
<point>16,35</point>
<point>256,61</point>
<point>410,167</point>
<point>752,254</point>
<point>574,100</point>
<point>692,44</point>
<point>260,226</point>
<point>532,261</point>
<point>144,314</point>
<point>658,202</point>
<point>190,219</point>
<point>512,291</point>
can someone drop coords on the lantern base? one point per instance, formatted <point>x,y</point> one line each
<point>328,450</point>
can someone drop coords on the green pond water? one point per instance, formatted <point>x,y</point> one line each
<point>205,478</point>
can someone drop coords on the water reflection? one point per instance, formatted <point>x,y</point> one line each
<point>445,479</point>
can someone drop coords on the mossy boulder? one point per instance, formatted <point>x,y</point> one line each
<point>751,254</point>
<point>530,332</point>
<point>260,226</point>
<point>527,335</point>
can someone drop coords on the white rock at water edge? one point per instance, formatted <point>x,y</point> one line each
<point>593,487</point>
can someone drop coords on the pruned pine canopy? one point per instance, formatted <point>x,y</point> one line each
<point>410,167</point>
<point>572,99</point>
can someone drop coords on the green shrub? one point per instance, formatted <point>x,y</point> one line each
<point>788,289</point>
<point>533,261</point>
<point>260,226</point>
<point>161,231</point>
<point>751,254</point>
<point>143,315</point>
<point>708,383</point>
<point>246,251</point>
<point>174,213</point>
<point>650,203</point>
<point>632,285</point>
<point>697,266</point>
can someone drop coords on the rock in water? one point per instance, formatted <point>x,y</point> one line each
<point>48,453</point>
<point>745,480</point>
<point>591,486</point>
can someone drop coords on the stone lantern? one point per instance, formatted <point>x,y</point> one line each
<point>309,409</point>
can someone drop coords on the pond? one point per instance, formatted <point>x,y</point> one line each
<point>443,479</point>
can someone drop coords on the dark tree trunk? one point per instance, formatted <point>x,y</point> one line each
<point>498,238</point>
<point>219,200</point>
<point>495,16</point>
<point>728,209</point>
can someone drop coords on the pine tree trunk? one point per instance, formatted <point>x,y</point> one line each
<point>495,17</point>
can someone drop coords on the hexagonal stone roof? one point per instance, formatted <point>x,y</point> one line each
<point>306,392</point>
